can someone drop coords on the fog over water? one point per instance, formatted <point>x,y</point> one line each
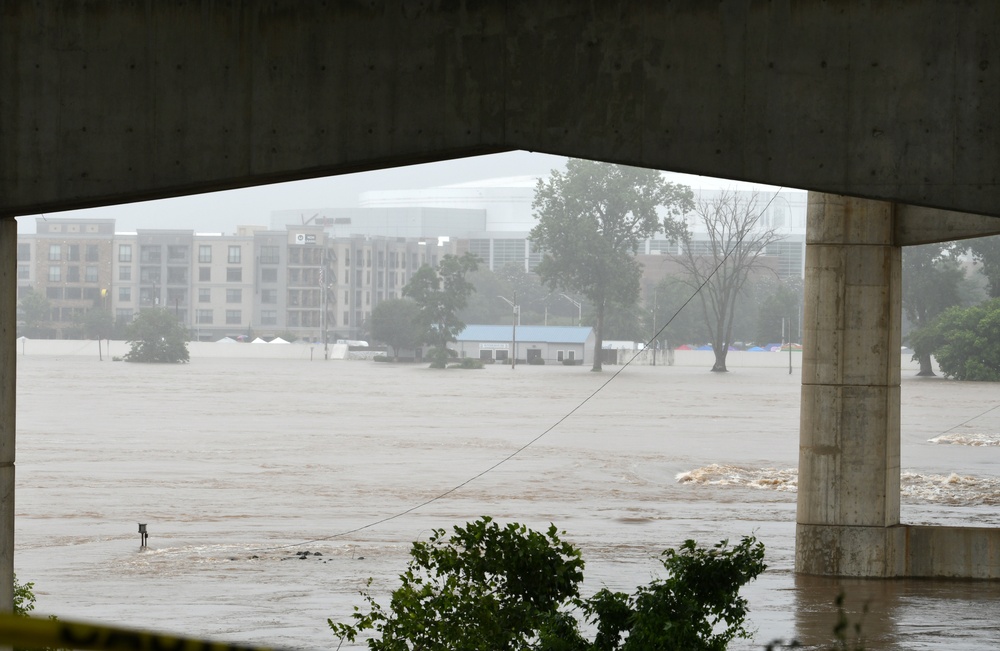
<point>238,464</point>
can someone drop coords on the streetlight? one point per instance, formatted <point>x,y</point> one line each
<point>579,309</point>
<point>515,321</point>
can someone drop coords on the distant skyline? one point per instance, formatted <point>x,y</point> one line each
<point>223,212</point>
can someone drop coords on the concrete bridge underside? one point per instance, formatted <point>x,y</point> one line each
<point>891,102</point>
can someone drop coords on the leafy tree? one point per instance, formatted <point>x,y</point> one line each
<point>394,322</point>
<point>97,323</point>
<point>931,277</point>
<point>509,588</point>
<point>24,597</point>
<point>440,293</point>
<point>720,270</point>
<point>965,342</point>
<point>986,252</point>
<point>770,299</point>
<point>156,336</point>
<point>590,222</point>
<point>672,306</point>
<point>36,310</point>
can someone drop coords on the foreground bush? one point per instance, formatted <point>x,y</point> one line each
<point>965,342</point>
<point>508,588</point>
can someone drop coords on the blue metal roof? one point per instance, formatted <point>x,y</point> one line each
<point>527,334</point>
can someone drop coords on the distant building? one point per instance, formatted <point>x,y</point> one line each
<point>550,344</point>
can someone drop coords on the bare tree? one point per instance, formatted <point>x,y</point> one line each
<point>720,265</point>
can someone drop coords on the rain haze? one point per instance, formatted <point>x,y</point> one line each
<point>238,462</point>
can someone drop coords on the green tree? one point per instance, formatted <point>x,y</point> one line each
<point>719,270</point>
<point>674,305</point>
<point>394,322</point>
<point>156,336</point>
<point>440,293</point>
<point>986,252</point>
<point>97,323</point>
<point>590,222</point>
<point>35,310</point>
<point>965,341</point>
<point>509,588</point>
<point>931,276</point>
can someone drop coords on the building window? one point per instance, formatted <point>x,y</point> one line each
<point>204,274</point>
<point>149,275</point>
<point>55,293</point>
<point>559,355</point>
<point>177,275</point>
<point>269,255</point>
<point>151,254</point>
<point>123,314</point>
<point>176,295</point>
<point>73,293</point>
<point>177,253</point>
<point>269,317</point>
<point>24,253</point>
<point>234,274</point>
<point>73,274</point>
<point>203,316</point>
<point>74,253</point>
<point>125,253</point>
<point>234,255</point>
<point>269,296</point>
<point>23,271</point>
<point>204,253</point>
<point>204,295</point>
<point>91,255</point>
<point>124,273</point>
<point>125,294</point>
<point>233,317</point>
<point>91,293</point>
<point>55,252</point>
<point>90,273</point>
<point>234,295</point>
<point>269,275</point>
<point>55,274</point>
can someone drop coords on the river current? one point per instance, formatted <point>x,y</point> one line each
<point>239,465</point>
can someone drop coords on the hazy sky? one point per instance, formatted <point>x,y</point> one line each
<point>223,211</point>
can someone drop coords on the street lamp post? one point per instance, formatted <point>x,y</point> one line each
<point>579,309</point>
<point>515,321</point>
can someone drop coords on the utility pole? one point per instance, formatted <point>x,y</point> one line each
<point>515,319</point>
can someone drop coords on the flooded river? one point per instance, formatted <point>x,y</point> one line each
<point>236,465</point>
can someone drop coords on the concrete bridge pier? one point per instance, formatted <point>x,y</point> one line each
<point>848,496</point>
<point>8,405</point>
<point>848,520</point>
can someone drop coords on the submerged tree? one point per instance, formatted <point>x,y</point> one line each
<point>965,341</point>
<point>931,276</point>
<point>590,222</point>
<point>157,336</point>
<point>395,323</point>
<point>440,293</point>
<point>720,267</point>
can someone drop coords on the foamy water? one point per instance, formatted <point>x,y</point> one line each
<point>238,466</point>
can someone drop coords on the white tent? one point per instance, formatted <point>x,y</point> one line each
<point>258,340</point>
<point>226,340</point>
<point>277,340</point>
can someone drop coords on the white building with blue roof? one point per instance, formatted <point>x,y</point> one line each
<point>530,343</point>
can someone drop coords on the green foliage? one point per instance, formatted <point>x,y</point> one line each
<point>590,222</point>
<point>157,336</point>
<point>35,310</point>
<point>986,253</point>
<point>965,342</point>
<point>485,587</point>
<point>439,294</point>
<point>395,322</point>
<point>24,597</point>
<point>97,323</point>
<point>510,588</point>
<point>931,277</point>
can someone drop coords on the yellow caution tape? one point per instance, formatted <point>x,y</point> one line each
<point>33,633</point>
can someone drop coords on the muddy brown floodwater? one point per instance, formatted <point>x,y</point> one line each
<point>236,465</point>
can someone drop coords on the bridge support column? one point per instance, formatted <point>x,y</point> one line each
<point>8,376</point>
<point>848,494</point>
